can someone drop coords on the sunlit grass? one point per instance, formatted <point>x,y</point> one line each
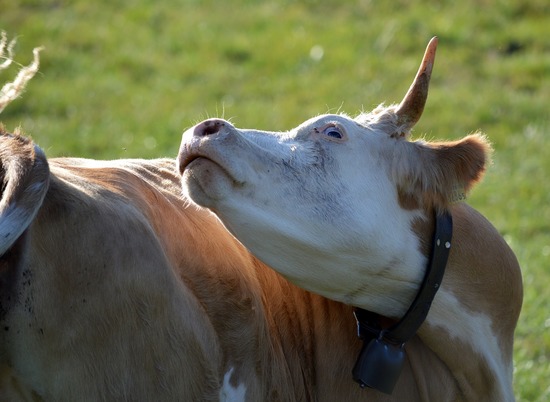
<point>124,79</point>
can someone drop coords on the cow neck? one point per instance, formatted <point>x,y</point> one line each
<point>380,361</point>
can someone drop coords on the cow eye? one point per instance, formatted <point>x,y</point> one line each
<point>333,132</point>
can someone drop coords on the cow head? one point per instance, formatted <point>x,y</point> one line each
<point>331,204</point>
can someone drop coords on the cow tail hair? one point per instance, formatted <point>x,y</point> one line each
<point>12,90</point>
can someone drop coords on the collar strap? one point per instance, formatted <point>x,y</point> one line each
<point>381,358</point>
<point>407,327</point>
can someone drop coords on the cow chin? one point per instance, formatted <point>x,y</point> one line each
<point>206,182</point>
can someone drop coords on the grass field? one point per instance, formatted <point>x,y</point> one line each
<point>124,79</point>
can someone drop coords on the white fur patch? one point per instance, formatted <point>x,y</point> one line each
<point>229,393</point>
<point>475,329</point>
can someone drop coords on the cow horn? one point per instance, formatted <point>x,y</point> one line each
<point>411,107</point>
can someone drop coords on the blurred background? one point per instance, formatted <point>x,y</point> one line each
<point>124,79</point>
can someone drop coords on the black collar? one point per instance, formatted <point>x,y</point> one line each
<point>380,361</point>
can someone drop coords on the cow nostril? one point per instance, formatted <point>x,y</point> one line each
<point>209,127</point>
<point>213,129</point>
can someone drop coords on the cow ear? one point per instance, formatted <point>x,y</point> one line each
<point>436,174</point>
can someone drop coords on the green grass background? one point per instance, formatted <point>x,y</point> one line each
<point>123,78</point>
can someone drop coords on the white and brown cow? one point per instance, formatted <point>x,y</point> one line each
<point>344,207</point>
<point>114,287</point>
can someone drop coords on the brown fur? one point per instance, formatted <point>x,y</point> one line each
<point>125,291</point>
<point>434,175</point>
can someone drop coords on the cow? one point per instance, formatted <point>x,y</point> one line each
<point>115,286</point>
<point>352,210</point>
